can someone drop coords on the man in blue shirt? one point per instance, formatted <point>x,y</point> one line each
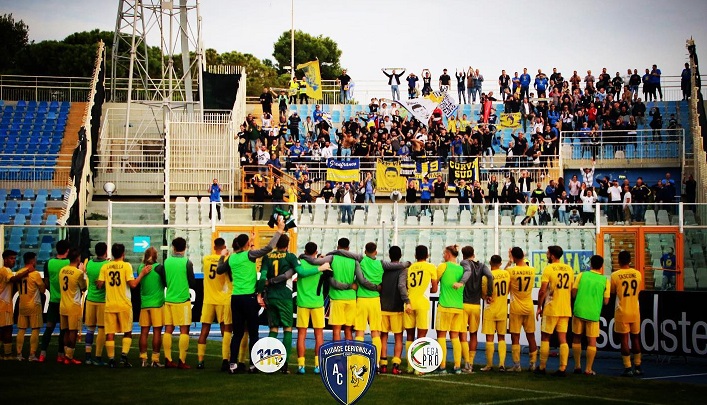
<point>317,116</point>
<point>426,195</point>
<point>541,85</point>
<point>667,262</point>
<point>524,84</point>
<point>215,197</point>
<point>296,151</point>
<point>552,115</point>
<point>655,80</point>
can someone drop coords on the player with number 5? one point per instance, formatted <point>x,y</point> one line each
<point>626,283</point>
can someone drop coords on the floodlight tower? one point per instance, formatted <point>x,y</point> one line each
<point>176,24</point>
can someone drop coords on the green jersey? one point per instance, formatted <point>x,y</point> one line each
<point>93,270</point>
<point>274,264</point>
<point>344,270</point>
<point>308,276</point>
<point>373,271</point>
<point>51,270</point>
<point>175,270</point>
<point>151,290</point>
<point>591,289</point>
<point>448,274</point>
<point>244,273</point>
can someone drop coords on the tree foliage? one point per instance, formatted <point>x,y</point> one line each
<point>260,73</point>
<point>308,48</point>
<point>15,37</point>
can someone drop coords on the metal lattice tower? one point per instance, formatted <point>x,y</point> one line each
<point>176,24</point>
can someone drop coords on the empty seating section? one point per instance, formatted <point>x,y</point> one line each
<point>29,223</point>
<point>32,134</point>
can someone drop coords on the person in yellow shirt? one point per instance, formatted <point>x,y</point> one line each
<point>627,283</point>
<point>117,279</point>
<point>30,289</point>
<point>217,305</point>
<point>452,125</point>
<point>521,311</point>
<point>422,276</point>
<point>591,291</point>
<point>554,304</point>
<point>496,313</point>
<point>7,279</point>
<point>73,283</point>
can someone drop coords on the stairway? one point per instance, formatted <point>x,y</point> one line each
<point>71,138</point>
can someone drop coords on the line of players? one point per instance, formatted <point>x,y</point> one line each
<point>385,296</point>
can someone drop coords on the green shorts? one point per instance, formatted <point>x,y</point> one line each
<point>280,313</point>
<point>53,312</point>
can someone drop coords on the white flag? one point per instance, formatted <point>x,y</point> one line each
<point>449,106</point>
<point>420,108</point>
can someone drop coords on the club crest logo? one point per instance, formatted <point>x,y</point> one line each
<point>268,355</point>
<point>348,368</point>
<point>425,355</point>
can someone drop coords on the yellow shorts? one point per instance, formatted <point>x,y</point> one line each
<point>450,319</point>
<point>118,322</point>
<point>552,324</point>
<point>220,313</point>
<point>152,317</point>
<point>30,318</point>
<point>420,317</point>
<point>585,327</point>
<point>6,319</point>
<point>368,312</point>
<point>392,322</point>
<point>95,313</point>
<point>527,322</point>
<point>492,326</point>
<point>177,314</point>
<point>315,314</point>
<point>70,322</point>
<point>627,327</point>
<point>472,314</point>
<point>342,312</point>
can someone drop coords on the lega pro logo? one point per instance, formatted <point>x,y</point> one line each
<point>425,355</point>
<point>268,355</point>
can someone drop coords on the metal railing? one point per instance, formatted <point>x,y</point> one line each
<point>631,147</point>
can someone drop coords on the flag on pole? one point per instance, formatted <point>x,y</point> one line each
<point>313,77</point>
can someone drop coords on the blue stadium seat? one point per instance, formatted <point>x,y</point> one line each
<point>32,240</point>
<point>54,103</point>
<point>19,219</point>
<point>36,219</point>
<point>4,219</point>
<point>28,194</point>
<point>15,194</point>
<point>45,251</point>
<point>56,195</point>
<point>17,232</point>
<point>49,240</point>
<point>22,103</point>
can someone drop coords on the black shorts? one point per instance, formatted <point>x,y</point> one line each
<point>53,312</point>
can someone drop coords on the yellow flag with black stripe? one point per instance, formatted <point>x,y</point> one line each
<point>313,77</point>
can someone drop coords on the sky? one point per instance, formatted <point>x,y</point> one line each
<point>415,34</point>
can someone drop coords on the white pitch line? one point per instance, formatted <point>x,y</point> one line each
<point>510,401</point>
<point>553,393</point>
<point>674,376</point>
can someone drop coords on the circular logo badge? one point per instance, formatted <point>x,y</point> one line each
<point>425,355</point>
<point>268,355</point>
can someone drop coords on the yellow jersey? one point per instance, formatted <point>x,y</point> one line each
<point>217,287</point>
<point>29,289</point>
<point>72,282</point>
<point>115,275</point>
<point>521,289</point>
<point>626,284</point>
<point>498,309</point>
<point>420,275</point>
<point>559,278</point>
<point>5,289</point>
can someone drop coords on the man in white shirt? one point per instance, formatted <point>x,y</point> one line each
<point>346,209</point>
<point>327,151</point>
<point>421,135</point>
<point>588,174</point>
<point>615,208</point>
<point>263,158</point>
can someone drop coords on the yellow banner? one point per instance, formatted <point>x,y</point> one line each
<point>388,177</point>
<point>313,77</point>
<point>510,120</point>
